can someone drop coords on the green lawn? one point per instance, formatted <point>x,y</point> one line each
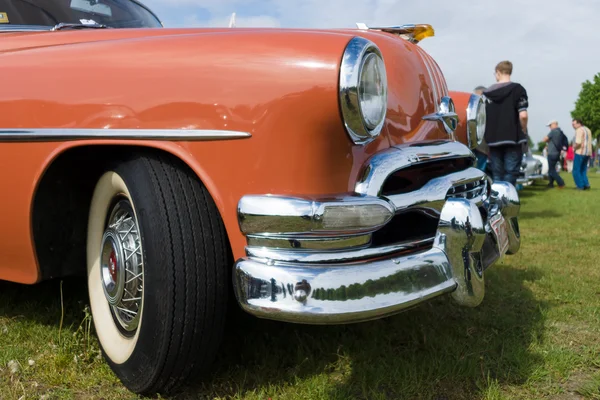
<point>536,336</point>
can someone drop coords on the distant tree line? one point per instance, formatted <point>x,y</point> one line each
<point>587,106</point>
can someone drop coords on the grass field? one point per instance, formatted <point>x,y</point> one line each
<point>536,336</point>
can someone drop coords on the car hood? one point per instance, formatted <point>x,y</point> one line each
<point>415,81</point>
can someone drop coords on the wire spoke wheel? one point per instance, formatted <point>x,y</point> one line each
<point>122,267</point>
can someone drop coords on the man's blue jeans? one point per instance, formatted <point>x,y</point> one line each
<point>506,162</point>
<point>580,165</point>
<point>552,174</point>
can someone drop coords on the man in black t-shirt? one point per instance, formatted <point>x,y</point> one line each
<point>506,124</point>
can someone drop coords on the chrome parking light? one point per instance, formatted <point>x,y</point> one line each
<point>260,215</point>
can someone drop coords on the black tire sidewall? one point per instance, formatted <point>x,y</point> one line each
<point>152,346</point>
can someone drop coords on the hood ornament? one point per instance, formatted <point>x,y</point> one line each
<point>447,115</point>
<point>414,33</point>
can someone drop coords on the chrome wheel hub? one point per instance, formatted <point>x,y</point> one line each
<point>121,266</point>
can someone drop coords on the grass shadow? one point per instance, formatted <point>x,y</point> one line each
<point>533,190</point>
<point>525,194</point>
<point>436,349</point>
<point>41,303</point>
<point>524,215</point>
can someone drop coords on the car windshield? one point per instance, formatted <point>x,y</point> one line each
<point>49,13</point>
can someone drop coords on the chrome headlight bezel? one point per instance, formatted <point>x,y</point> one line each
<point>476,119</point>
<point>358,51</point>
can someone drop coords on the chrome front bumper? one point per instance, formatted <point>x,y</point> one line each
<point>530,178</point>
<point>362,283</point>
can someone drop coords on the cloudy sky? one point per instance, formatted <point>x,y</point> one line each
<point>553,44</point>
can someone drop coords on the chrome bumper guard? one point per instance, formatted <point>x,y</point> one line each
<point>331,283</point>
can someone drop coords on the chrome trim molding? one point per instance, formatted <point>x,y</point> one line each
<point>24,28</point>
<point>309,244</point>
<point>475,107</point>
<point>434,193</point>
<point>381,165</point>
<point>337,256</point>
<point>67,134</point>
<point>446,115</point>
<point>356,53</point>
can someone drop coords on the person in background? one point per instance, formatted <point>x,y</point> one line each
<point>583,151</point>
<point>570,157</point>
<point>506,124</point>
<point>557,142</point>
<point>482,151</point>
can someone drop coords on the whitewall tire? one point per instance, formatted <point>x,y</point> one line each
<point>157,267</point>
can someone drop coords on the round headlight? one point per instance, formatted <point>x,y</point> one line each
<point>372,91</point>
<point>481,118</point>
<point>476,119</point>
<point>363,90</point>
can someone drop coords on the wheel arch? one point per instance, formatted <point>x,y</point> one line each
<point>68,179</point>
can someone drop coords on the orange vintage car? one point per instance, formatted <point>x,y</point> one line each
<point>323,176</point>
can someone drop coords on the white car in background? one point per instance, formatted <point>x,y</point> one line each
<point>531,169</point>
<point>544,162</point>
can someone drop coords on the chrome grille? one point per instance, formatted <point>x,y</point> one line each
<point>471,190</point>
<point>413,181</point>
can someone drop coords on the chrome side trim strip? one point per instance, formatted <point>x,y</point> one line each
<point>385,163</point>
<point>333,257</point>
<point>67,134</point>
